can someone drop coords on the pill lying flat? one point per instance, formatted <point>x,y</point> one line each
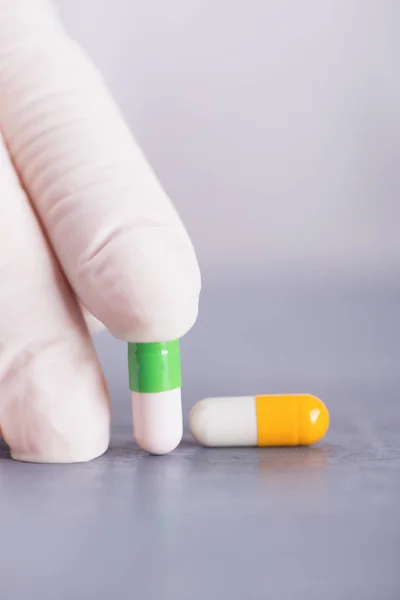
<point>276,420</point>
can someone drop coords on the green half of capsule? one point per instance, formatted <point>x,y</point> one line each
<point>154,367</point>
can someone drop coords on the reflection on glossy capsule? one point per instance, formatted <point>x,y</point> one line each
<point>276,420</point>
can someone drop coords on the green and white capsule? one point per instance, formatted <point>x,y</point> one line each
<point>155,383</point>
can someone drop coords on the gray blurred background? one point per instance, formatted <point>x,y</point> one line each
<point>275,128</point>
<point>273,124</point>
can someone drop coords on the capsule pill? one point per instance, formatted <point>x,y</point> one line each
<point>275,420</point>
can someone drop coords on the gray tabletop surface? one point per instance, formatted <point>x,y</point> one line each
<point>238,524</point>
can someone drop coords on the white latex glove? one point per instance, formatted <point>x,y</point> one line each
<point>83,222</point>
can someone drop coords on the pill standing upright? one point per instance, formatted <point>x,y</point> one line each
<point>155,383</point>
<point>276,420</point>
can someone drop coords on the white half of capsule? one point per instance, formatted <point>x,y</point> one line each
<point>225,421</point>
<point>157,420</point>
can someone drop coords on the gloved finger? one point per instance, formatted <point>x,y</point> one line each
<point>114,230</point>
<point>92,323</point>
<point>53,399</point>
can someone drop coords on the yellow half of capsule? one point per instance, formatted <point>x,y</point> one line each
<point>290,420</point>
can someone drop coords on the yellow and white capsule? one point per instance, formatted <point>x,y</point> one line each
<point>280,420</point>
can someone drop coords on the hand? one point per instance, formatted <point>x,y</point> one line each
<point>85,229</point>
